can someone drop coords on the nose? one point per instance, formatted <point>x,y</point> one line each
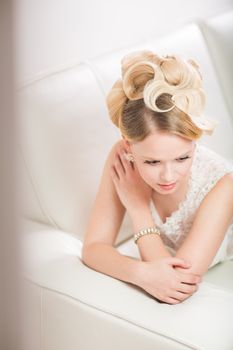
<point>167,175</point>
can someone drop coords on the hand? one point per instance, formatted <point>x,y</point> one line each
<point>186,271</point>
<point>132,190</point>
<point>161,280</point>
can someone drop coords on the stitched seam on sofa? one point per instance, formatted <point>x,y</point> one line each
<point>204,28</point>
<point>191,346</point>
<point>46,74</point>
<point>35,189</point>
<point>96,75</point>
<point>41,320</point>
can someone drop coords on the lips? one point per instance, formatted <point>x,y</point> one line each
<point>168,187</point>
<point>167,184</point>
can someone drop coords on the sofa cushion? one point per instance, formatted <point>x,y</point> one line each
<point>217,32</point>
<point>203,321</point>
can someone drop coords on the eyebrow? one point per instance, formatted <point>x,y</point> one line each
<point>182,155</point>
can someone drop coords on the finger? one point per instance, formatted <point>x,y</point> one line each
<point>124,161</point>
<point>114,173</point>
<point>179,262</point>
<point>191,279</point>
<point>186,272</point>
<point>119,166</point>
<point>179,295</point>
<point>187,288</point>
<point>170,300</point>
<point>195,277</point>
<point>128,165</point>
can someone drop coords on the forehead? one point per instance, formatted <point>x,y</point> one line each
<point>171,157</point>
<point>163,147</point>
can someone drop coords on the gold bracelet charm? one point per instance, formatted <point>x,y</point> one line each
<point>146,231</point>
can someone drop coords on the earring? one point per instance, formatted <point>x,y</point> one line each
<point>129,157</point>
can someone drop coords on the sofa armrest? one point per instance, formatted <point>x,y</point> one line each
<point>52,261</point>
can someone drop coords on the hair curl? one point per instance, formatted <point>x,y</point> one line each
<point>161,93</point>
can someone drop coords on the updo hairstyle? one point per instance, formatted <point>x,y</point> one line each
<point>162,93</point>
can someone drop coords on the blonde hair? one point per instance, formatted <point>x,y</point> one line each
<point>161,93</point>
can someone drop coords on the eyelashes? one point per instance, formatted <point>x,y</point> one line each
<point>156,161</point>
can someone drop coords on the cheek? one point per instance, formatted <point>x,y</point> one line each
<point>183,171</point>
<point>148,173</point>
<point>185,168</point>
<point>151,174</point>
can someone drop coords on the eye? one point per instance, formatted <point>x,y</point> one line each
<point>153,162</point>
<point>181,159</point>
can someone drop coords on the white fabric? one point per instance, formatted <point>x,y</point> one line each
<point>67,300</point>
<point>207,168</point>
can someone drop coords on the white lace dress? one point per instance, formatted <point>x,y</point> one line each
<point>207,168</point>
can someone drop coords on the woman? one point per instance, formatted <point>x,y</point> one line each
<point>178,193</point>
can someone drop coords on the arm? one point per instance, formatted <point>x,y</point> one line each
<point>150,246</point>
<point>102,229</point>
<point>106,259</point>
<point>213,217</point>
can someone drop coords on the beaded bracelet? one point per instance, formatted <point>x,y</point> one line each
<point>146,231</point>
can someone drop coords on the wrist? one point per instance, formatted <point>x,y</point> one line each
<point>140,218</point>
<point>137,209</point>
<point>139,273</point>
<point>163,253</point>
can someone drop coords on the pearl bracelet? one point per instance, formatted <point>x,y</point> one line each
<point>146,231</point>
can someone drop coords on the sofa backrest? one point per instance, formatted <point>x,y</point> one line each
<point>66,133</point>
<point>218,34</point>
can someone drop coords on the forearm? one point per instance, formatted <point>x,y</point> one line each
<point>150,246</point>
<point>106,259</point>
<point>208,230</point>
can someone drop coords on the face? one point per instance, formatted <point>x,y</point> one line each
<point>163,158</point>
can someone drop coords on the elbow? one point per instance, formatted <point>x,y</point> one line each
<point>87,253</point>
<point>84,255</point>
<point>198,266</point>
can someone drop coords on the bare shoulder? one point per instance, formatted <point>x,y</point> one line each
<point>107,211</point>
<point>118,145</point>
<point>226,183</point>
<point>222,193</point>
<point>222,189</point>
<point>229,178</point>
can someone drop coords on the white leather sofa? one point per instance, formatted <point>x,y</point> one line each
<point>65,136</point>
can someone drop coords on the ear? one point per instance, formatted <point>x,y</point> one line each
<point>126,143</point>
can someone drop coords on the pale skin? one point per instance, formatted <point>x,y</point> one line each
<point>204,232</point>
<point>130,188</point>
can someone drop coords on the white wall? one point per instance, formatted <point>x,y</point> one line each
<point>51,34</point>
